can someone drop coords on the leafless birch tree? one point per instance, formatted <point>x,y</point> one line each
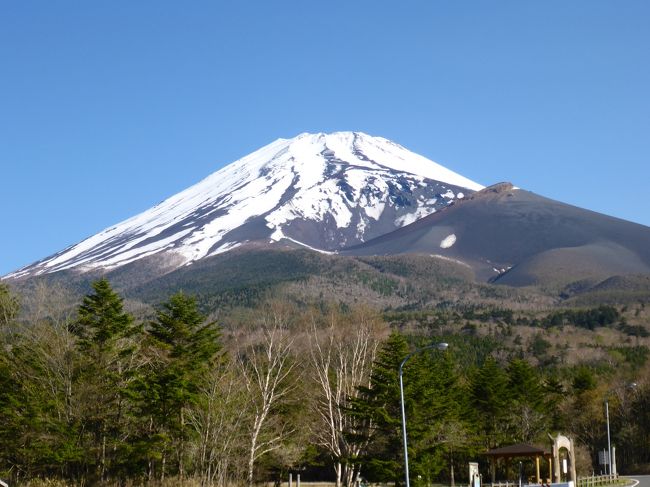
<point>52,346</point>
<point>342,359</point>
<point>219,422</point>
<point>267,371</point>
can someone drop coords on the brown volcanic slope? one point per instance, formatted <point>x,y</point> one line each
<point>516,237</point>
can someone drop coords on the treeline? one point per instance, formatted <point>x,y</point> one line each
<point>103,397</point>
<point>98,397</point>
<point>590,318</point>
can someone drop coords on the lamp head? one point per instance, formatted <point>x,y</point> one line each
<point>442,346</point>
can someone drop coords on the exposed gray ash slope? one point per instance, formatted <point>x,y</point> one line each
<point>516,237</point>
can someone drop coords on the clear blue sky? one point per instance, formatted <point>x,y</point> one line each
<point>106,108</point>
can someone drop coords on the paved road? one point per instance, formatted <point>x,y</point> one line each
<point>644,480</point>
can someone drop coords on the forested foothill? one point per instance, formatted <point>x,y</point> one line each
<point>106,390</point>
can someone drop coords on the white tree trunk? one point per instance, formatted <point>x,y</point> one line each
<point>342,359</point>
<point>267,376</point>
<point>218,420</point>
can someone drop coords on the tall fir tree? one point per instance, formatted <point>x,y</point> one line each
<point>524,383</point>
<point>379,407</point>
<point>527,411</point>
<point>432,398</point>
<point>107,342</point>
<point>432,402</point>
<point>488,399</point>
<point>184,347</point>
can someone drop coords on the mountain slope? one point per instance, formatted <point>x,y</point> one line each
<point>323,191</point>
<point>357,195</point>
<point>518,238</point>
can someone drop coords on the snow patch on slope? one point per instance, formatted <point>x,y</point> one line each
<point>449,259</point>
<point>409,218</point>
<point>448,241</point>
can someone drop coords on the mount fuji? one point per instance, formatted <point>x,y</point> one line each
<point>320,191</point>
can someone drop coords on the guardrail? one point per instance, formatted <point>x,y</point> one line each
<point>592,481</point>
<point>599,481</point>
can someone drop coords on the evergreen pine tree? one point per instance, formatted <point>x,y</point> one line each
<point>184,348</point>
<point>488,399</point>
<point>379,406</point>
<point>527,407</point>
<point>106,342</point>
<point>524,384</point>
<point>432,402</point>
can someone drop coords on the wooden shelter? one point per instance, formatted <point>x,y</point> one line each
<point>518,451</point>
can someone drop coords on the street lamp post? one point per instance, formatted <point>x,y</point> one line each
<point>610,460</point>
<point>609,443</point>
<point>437,346</point>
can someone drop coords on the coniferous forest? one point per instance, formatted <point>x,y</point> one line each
<point>105,391</point>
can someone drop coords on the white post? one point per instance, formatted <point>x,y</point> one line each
<point>297,480</point>
<point>290,480</point>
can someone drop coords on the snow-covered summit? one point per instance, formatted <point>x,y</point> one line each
<point>324,191</point>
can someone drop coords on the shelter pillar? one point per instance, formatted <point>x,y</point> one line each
<point>556,463</point>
